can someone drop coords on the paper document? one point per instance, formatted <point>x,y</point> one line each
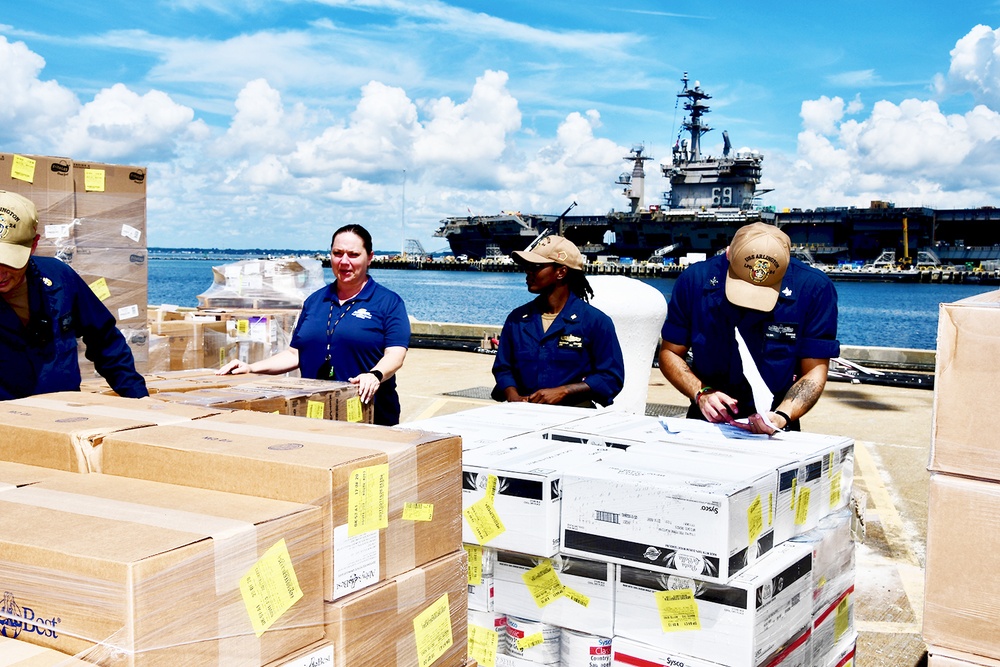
<point>762,396</point>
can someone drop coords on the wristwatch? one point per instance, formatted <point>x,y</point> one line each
<point>377,374</point>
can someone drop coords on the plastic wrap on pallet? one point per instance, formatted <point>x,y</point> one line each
<point>391,499</point>
<point>128,572</point>
<point>833,557</point>
<point>110,205</point>
<point>263,283</point>
<point>417,617</point>
<point>48,182</point>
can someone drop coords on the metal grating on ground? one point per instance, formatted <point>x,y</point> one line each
<point>473,392</point>
<point>652,409</point>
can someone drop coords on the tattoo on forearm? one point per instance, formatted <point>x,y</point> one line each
<point>805,392</point>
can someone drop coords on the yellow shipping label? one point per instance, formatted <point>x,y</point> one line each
<point>483,645</point>
<point>835,481</point>
<point>368,499</point>
<point>491,487</point>
<point>528,641</point>
<point>315,410</point>
<point>100,288</point>
<point>795,482</point>
<point>543,583</point>
<point>432,631</point>
<point>802,506</point>
<point>23,169</point>
<point>243,327</point>
<point>483,520</point>
<point>770,509</point>
<point>842,618</point>
<point>755,519</point>
<point>270,588</point>
<point>418,511</point>
<point>93,180</point>
<point>475,564</point>
<point>576,596</point>
<point>678,610</point>
<point>355,411</point>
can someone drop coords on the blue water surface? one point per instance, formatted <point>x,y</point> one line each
<point>870,314</point>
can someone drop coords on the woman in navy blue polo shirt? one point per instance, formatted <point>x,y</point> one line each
<point>352,330</point>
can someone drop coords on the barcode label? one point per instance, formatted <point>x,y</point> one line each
<point>607,517</point>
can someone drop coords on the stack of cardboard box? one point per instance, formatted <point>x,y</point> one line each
<point>654,541</point>
<point>212,337</point>
<point>92,216</point>
<point>962,593</point>
<point>182,535</point>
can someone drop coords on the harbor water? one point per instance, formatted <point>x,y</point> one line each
<point>870,314</point>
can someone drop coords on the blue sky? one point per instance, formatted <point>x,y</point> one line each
<point>270,123</point>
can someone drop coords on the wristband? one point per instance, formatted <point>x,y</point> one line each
<point>701,392</point>
<point>377,374</point>
<point>788,420</point>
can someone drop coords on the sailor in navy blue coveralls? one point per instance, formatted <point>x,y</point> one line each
<point>577,360</point>
<point>45,307</point>
<point>797,335</point>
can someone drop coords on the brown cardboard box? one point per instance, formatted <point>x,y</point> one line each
<point>316,461</point>
<point>16,653</point>
<point>70,439</point>
<point>110,205</point>
<point>387,625</point>
<point>319,654</point>
<point>158,574</point>
<point>193,345</point>
<point>48,182</point>
<point>119,276</point>
<point>962,591</point>
<point>967,374</point>
<point>56,439</point>
<point>942,657</point>
<point>14,475</point>
<point>144,410</point>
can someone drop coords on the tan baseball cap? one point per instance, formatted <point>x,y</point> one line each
<point>552,249</point>
<point>18,228</point>
<point>758,258</point>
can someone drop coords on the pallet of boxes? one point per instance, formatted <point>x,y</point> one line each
<point>962,593</point>
<point>600,538</point>
<point>142,533</point>
<point>92,216</point>
<point>249,313</point>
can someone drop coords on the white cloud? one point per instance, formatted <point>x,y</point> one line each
<point>822,115</point>
<point>119,123</point>
<point>975,66</point>
<point>31,107</point>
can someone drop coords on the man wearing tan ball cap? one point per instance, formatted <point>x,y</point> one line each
<point>44,307</point>
<point>780,311</point>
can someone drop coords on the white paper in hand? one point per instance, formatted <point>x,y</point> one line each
<point>762,396</point>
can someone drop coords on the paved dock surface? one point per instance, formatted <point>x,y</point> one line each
<point>891,427</point>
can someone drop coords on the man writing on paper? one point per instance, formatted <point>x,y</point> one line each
<point>783,314</point>
<point>44,307</point>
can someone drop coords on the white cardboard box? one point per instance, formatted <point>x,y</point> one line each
<point>668,515</point>
<point>628,653</point>
<point>745,623</point>
<point>594,580</point>
<point>493,423</point>
<point>528,474</point>
<point>822,464</point>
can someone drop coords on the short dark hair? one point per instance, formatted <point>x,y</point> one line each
<point>361,232</point>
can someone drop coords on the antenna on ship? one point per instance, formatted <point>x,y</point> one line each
<point>696,107</point>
